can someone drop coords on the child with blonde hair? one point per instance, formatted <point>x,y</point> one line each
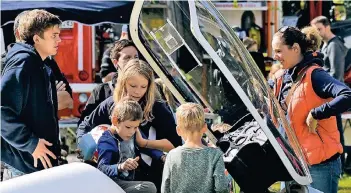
<point>193,167</point>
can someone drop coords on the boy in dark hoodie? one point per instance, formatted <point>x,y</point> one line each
<point>29,126</point>
<point>118,153</point>
<point>64,91</point>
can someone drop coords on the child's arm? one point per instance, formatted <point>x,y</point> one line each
<point>154,153</point>
<point>166,182</point>
<point>162,144</point>
<point>106,157</point>
<point>221,181</point>
<point>105,160</point>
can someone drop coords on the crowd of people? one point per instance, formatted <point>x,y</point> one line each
<point>153,143</point>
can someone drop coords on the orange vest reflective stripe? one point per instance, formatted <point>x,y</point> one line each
<point>326,143</point>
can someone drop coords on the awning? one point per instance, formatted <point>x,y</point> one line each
<point>86,12</point>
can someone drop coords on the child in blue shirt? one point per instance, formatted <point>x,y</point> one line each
<point>118,153</point>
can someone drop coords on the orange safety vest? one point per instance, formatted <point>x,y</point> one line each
<point>326,143</point>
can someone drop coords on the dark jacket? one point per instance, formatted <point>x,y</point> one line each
<point>106,64</point>
<point>59,76</point>
<point>99,94</point>
<point>323,85</point>
<point>113,150</point>
<point>28,108</point>
<point>163,121</point>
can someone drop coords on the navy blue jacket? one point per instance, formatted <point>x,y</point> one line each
<point>163,121</point>
<point>113,150</point>
<point>28,108</point>
<point>323,85</point>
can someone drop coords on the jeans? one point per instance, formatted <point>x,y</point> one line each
<point>326,176</point>
<point>342,139</point>
<point>10,172</point>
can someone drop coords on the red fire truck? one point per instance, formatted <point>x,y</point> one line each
<point>76,58</point>
<point>79,58</point>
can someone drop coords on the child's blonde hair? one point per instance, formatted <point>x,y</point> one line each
<point>190,117</point>
<point>127,110</point>
<point>221,127</point>
<point>132,68</point>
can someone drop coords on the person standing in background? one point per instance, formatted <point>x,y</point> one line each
<point>108,70</point>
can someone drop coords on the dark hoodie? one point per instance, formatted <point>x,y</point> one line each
<point>28,108</point>
<point>323,85</point>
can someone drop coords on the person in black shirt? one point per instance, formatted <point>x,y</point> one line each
<point>108,70</point>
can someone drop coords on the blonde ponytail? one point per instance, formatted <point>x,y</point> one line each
<point>313,39</point>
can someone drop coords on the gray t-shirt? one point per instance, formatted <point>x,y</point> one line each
<point>194,170</point>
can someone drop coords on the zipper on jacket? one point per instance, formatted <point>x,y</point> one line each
<point>297,84</point>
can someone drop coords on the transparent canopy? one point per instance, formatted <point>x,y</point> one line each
<point>206,63</point>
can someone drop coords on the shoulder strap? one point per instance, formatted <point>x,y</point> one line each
<point>296,82</point>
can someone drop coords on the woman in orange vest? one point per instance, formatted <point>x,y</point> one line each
<point>311,99</point>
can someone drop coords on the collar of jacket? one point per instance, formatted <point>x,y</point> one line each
<point>310,58</point>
